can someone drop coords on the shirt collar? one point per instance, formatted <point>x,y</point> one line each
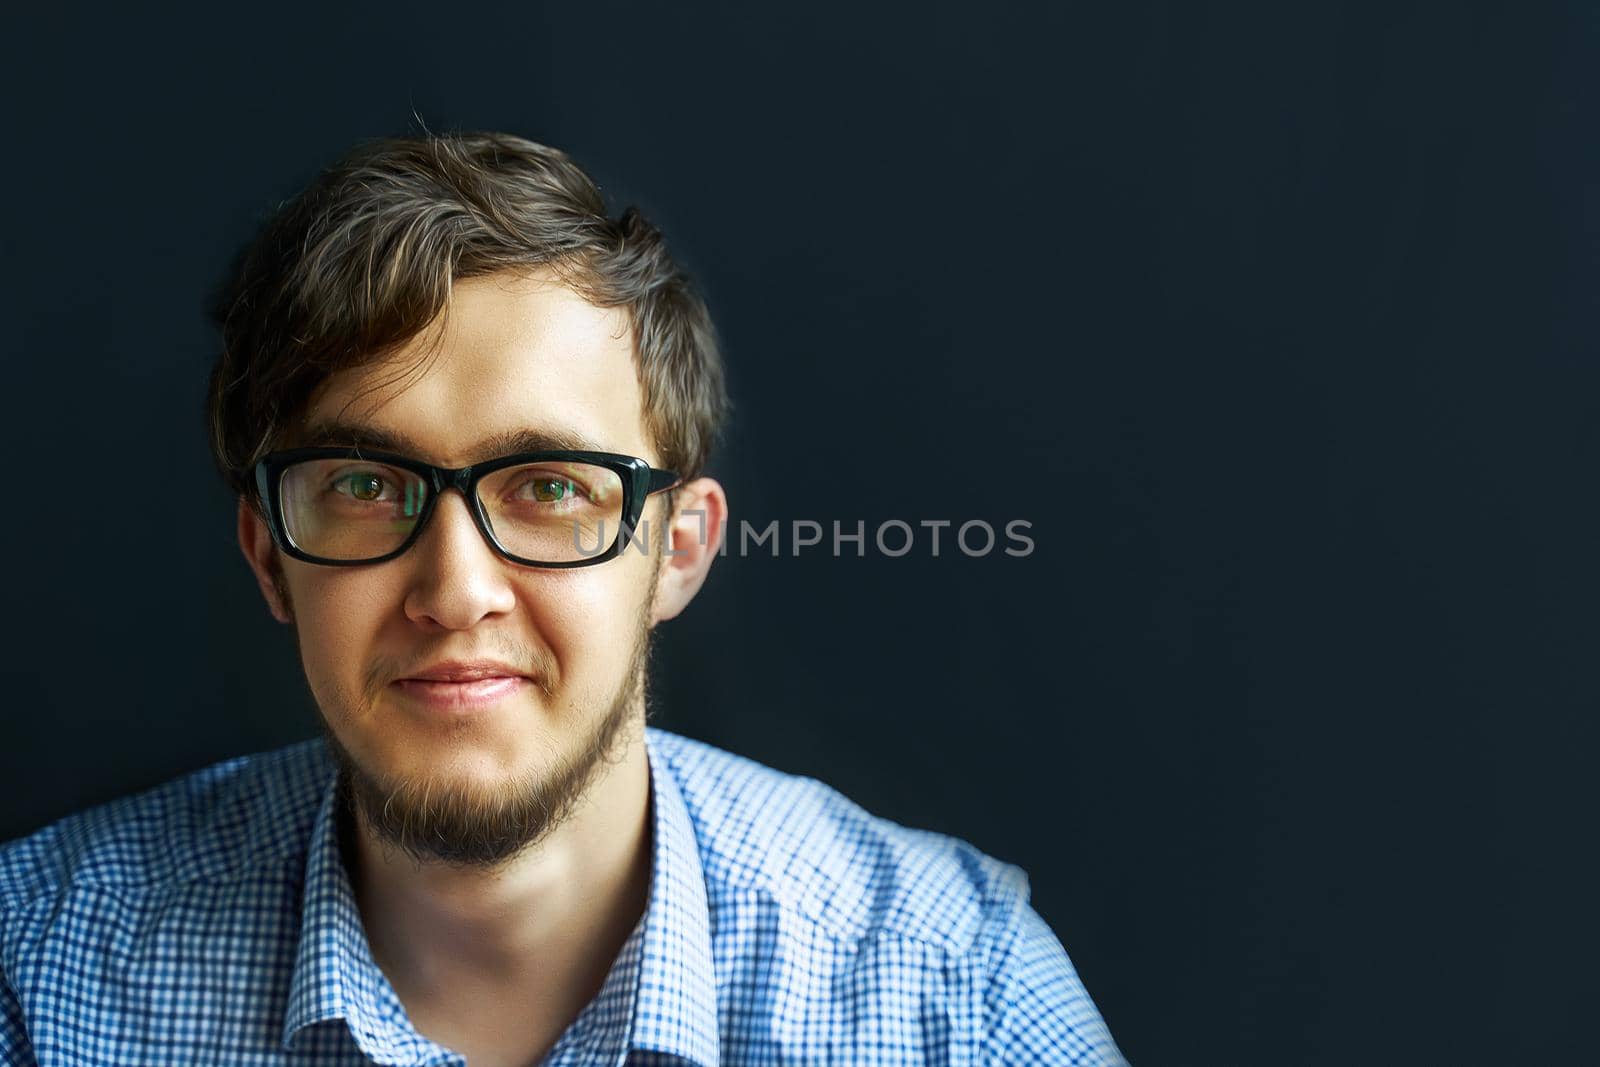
<point>676,1011</point>
<point>674,1003</point>
<point>335,976</point>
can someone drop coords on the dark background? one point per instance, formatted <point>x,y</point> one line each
<point>1276,321</point>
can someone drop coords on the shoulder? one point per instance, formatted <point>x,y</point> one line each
<point>215,823</point>
<point>815,853</point>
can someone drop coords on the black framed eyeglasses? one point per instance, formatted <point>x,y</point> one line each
<point>342,506</point>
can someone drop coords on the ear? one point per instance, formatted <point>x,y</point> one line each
<point>255,541</point>
<point>693,536</point>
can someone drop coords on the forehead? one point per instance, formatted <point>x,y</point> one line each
<point>512,355</point>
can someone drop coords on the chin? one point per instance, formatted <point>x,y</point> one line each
<point>464,763</point>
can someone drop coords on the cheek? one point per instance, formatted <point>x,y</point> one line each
<point>338,618</point>
<point>587,617</point>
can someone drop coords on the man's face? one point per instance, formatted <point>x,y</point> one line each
<point>514,354</point>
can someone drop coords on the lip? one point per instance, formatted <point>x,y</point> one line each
<point>464,670</point>
<point>462,696</point>
<point>463,685</point>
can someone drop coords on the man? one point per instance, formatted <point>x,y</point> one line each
<point>467,417</point>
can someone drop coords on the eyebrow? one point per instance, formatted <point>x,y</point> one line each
<point>509,442</point>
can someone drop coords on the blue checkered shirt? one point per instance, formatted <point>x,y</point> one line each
<point>211,921</point>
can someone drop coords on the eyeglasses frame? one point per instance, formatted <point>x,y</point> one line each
<point>639,482</point>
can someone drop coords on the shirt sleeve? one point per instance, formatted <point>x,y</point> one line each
<point>15,1048</point>
<point>1036,1009</point>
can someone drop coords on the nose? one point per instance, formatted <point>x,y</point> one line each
<point>457,577</point>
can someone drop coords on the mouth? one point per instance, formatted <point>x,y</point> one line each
<point>461,696</point>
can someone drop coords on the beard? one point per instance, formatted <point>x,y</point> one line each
<point>461,828</point>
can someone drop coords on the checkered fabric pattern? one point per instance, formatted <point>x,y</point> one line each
<point>211,921</point>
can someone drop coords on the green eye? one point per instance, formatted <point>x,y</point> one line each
<point>365,486</point>
<point>549,490</point>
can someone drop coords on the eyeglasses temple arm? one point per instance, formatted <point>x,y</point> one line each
<point>660,479</point>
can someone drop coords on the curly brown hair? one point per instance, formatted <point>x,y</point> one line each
<point>363,261</point>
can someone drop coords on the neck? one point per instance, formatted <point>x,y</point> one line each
<point>565,905</point>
